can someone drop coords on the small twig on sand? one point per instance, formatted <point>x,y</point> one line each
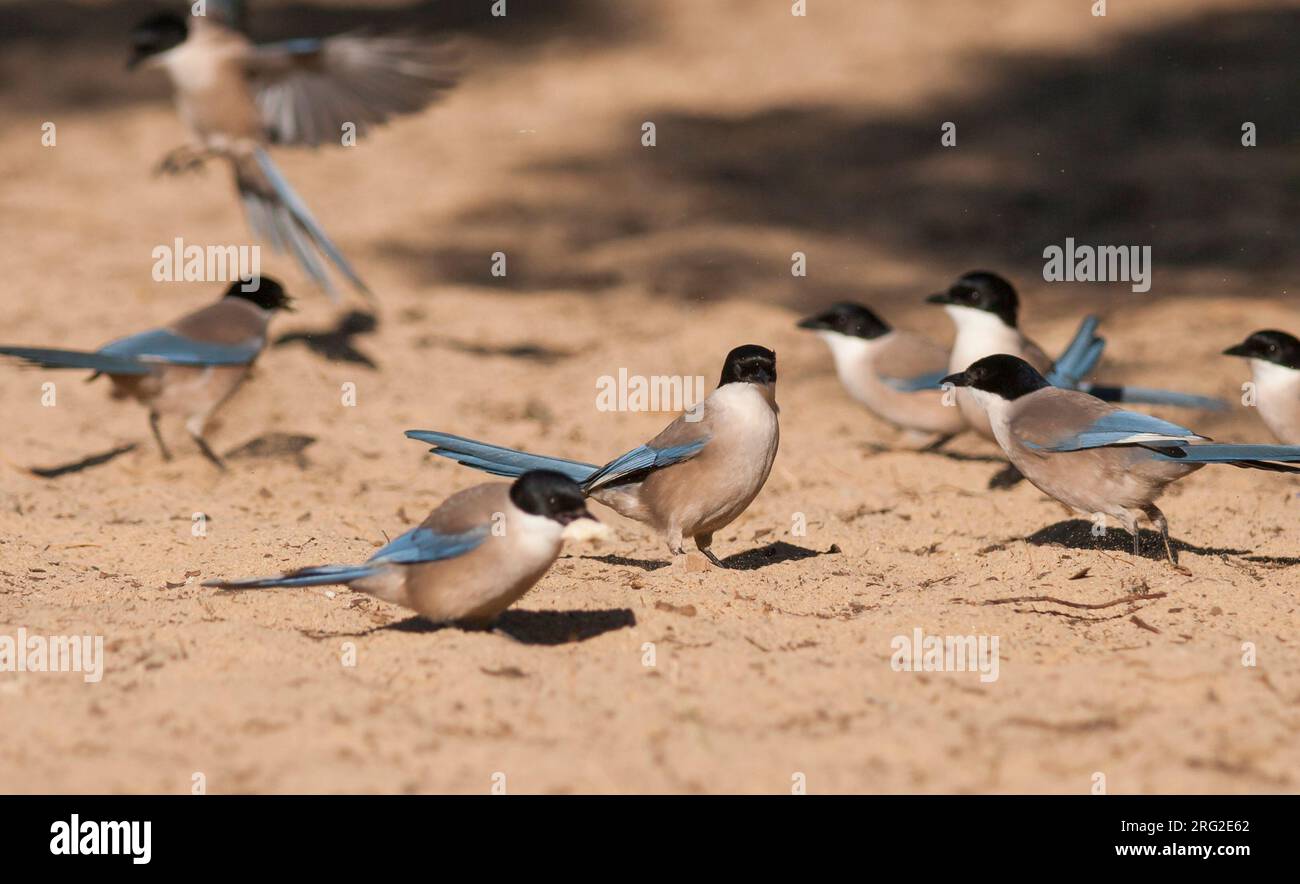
<point>1143,624</point>
<point>1143,597</point>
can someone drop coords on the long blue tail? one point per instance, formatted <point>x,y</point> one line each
<point>497,460</point>
<point>1080,356</point>
<point>48,357</point>
<point>324,575</point>
<point>1256,457</point>
<point>289,231</point>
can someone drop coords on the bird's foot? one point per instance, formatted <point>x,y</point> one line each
<point>708,554</point>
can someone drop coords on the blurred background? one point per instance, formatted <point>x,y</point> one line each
<point>775,133</point>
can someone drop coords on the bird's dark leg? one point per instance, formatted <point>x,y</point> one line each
<point>677,548</point>
<point>703,542</point>
<point>195,427</point>
<point>209,453</point>
<point>157,435</point>
<point>939,442</point>
<point>1162,525</point>
<point>1130,522</point>
<point>185,158</point>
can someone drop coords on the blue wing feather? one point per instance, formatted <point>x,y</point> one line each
<point>496,459</point>
<point>643,458</point>
<point>412,548</point>
<point>163,345</point>
<point>426,545</point>
<point>1122,427</point>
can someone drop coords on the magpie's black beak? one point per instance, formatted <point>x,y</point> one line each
<point>815,323</point>
<point>1244,349</point>
<point>134,61</point>
<point>957,380</point>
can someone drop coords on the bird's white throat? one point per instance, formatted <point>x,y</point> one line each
<point>1270,377</point>
<point>980,334</point>
<point>846,350</point>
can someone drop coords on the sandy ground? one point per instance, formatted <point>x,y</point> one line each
<point>775,134</point>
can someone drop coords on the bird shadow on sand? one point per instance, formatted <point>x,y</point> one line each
<point>1077,534</point>
<point>335,344</point>
<point>535,627</point>
<point>528,352</point>
<point>774,554</point>
<point>274,446</point>
<point>643,564</point>
<point>87,462</point>
<point>959,456</point>
<point>1003,479</point>
<point>750,560</point>
<point>525,627</point>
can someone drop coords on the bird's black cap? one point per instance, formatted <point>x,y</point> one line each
<point>982,290</point>
<point>263,291</point>
<point>750,364</point>
<point>550,494</point>
<point>156,34</point>
<point>1007,376</point>
<point>1270,345</point>
<point>847,318</point>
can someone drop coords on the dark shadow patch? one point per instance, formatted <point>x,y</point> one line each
<point>1104,146</point>
<point>526,627</point>
<point>416,624</point>
<point>272,446</point>
<point>85,463</point>
<point>1077,534</point>
<point>958,456</point>
<point>526,352</point>
<point>529,269</point>
<point>643,564</point>
<point>1277,561</point>
<point>335,344</point>
<point>773,554</point>
<point>562,627</point>
<point>1005,478</point>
